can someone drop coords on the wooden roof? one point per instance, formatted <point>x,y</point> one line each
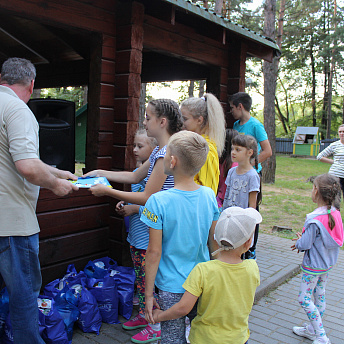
<point>203,12</point>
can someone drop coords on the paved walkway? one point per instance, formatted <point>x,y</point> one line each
<point>274,313</point>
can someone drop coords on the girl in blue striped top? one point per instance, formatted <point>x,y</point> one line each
<point>163,119</point>
<point>138,236</point>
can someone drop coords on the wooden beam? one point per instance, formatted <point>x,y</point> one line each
<point>94,93</point>
<point>73,220</point>
<point>72,39</point>
<point>72,246</point>
<point>64,12</point>
<point>18,37</point>
<point>48,201</point>
<point>177,40</point>
<point>260,51</point>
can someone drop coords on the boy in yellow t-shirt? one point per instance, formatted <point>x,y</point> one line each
<point>225,286</point>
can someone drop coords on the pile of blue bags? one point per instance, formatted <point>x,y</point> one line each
<point>98,294</point>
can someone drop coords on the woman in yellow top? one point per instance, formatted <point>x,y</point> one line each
<point>205,116</point>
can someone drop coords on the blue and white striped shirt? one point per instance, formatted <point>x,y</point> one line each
<point>138,235</point>
<point>337,150</point>
<point>155,155</point>
<point>138,232</point>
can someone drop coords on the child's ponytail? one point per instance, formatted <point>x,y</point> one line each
<point>216,121</point>
<point>331,221</point>
<point>211,110</point>
<point>328,190</point>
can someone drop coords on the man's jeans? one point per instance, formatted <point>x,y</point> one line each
<point>20,269</point>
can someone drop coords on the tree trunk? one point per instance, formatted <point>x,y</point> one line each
<point>191,88</point>
<point>36,93</point>
<point>142,107</point>
<point>326,77</point>
<point>330,80</point>
<point>201,88</point>
<point>314,84</point>
<point>270,71</point>
<point>281,117</point>
<point>218,6</point>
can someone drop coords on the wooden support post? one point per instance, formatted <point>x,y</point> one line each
<point>128,83</point>
<point>236,74</point>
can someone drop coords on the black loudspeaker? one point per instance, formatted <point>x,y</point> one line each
<point>56,119</point>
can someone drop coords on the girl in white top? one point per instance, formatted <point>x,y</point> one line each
<point>243,182</point>
<point>335,149</point>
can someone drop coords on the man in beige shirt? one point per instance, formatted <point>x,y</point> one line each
<point>22,173</point>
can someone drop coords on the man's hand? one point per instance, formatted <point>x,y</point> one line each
<point>67,175</point>
<point>63,187</point>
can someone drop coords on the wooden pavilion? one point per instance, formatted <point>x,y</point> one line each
<point>112,46</point>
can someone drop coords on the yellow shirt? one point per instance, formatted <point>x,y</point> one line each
<point>210,171</point>
<point>226,294</point>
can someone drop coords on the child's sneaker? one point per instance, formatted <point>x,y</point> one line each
<point>304,332</point>
<point>147,335</point>
<point>318,342</point>
<point>135,323</point>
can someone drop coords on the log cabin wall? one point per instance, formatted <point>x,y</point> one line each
<point>126,114</point>
<point>128,42</point>
<point>75,229</point>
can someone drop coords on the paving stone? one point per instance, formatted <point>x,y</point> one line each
<point>274,315</point>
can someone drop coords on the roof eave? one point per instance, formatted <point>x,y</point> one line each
<point>213,17</point>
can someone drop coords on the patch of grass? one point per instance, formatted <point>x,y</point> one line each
<point>78,169</point>
<point>287,202</point>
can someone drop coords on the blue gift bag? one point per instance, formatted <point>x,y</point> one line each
<point>105,292</point>
<point>99,268</point>
<point>51,325</point>
<point>66,304</point>
<point>89,319</point>
<point>125,281</point>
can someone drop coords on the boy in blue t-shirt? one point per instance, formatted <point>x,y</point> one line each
<point>240,104</point>
<point>182,222</point>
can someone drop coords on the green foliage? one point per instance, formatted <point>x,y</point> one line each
<point>310,34</point>
<point>287,202</point>
<point>176,90</point>
<point>74,94</point>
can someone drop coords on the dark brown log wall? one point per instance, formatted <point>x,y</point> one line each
<point>75,229</point>
<point>80,227</point>
<point>129,44</point>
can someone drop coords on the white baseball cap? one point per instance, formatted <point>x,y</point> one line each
<point>235,226</point>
